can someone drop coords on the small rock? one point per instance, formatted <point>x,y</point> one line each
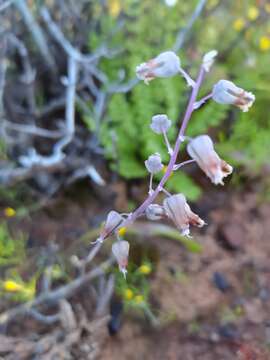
<point>221,282</point>
<point>231,235</point>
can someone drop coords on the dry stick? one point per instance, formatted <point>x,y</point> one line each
<point>36,31</point>
<point>54,296</point>
<point>182,35</point>
<point>33,130</point>
<point>57,34</point>
<point>58,155</point>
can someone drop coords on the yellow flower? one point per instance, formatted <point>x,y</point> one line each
<point>12,286</point>
<point>145,269</point>
<point>267,8</point>
<point>139,299</point>
<point>264,43</point>
<point>122,231</point>
<point>114,8</point>
<point>253,13</point>
<point>9,212</point>
<point>128,294</point>
<point>239,24</point>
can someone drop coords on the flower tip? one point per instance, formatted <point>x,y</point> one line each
<point>124,272</point>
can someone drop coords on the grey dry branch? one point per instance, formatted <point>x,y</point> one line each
<point>53,296</point>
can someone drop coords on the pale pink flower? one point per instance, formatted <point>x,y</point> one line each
<point>178,210</point>
<point>201,149</point>
<point>166,64</point>
<point>160,123</point>
<point>209,59</point>
<point>154,212</point>
<point>226,92</point>
<point>153,164</point>
<point>120,250</point>
<point>113,221</point>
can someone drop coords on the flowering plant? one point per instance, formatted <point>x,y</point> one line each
<point>200,149</point>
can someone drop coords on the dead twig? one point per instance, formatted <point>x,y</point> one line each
<point>36,31</point>
<point>183,33</point>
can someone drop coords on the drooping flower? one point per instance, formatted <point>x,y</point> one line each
<point>226,92</point>
<point>113,221</point>
<point>166,64</point>
<point>120,250</point>
<point>153,164</point>
<point>160,123</point>
<point>201,149</point>
<point>154,212</point>
<point>209,59</point>
<point>178,210</point>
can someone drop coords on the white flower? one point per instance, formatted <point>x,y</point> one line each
<point>178,210</point>
<point>209,59</point>
<point>160,123</point>
<point>201,149</point>
<point>166,64</point>
<point>153,163</point>
<point>226,92</point>
<point>170,2</point>
<point>154,212</point>
<point>114,219</point>
<point>120,250</point>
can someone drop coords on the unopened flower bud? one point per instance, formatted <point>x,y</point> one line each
<point>226,92</point>
<point>209,59</point>
<point>113,221</point>
<point>160,124</point>
<point>201,149</point>
<point>120,250</point>
<point>166,64</point>
<point>178,210</point>
<point>154,212</point>
<point>153,163</point>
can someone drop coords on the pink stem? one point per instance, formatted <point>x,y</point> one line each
<point>140,210</point>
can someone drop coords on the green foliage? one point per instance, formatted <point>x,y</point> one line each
<point>134,290</point>
<point>12,251</point>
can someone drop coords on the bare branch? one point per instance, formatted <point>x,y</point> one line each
<point>35,30</point>
<point>54,296</point>
<point>182,35</point>
<point>58,35</point>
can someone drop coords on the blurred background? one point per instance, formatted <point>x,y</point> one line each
<point>74,137</point>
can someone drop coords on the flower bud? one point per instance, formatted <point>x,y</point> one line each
<point>153,163</point>
<point>166,64</point>
<point>113,221</point>
<point>120,250</point>
<point>160,124</point>
<point>201,149</point>
<point>209,59</point>
<point>226,92</point>
<point>178,210</point>
<point>154,212</point>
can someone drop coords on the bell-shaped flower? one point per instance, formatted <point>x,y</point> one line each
<point>153,164</point>
<point>178,210</point>
<point>112,223</point>
<point>166,64</point>
<point>209,59</point>
<point>160,124</point>
<point>154,212</point>
<point>226,92</point>
<point>201,149</point>
<point>120,250</point>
